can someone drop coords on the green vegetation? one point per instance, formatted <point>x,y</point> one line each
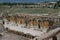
<point>13,8</point>
<point>33,10</point>
<point>28,10</point>
<point>57,4</point>
<point>18,4</point>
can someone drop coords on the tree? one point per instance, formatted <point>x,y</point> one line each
<point>57,4</point>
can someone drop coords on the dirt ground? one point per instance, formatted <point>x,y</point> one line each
<point>58,36</point>
<point>11,36</point>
